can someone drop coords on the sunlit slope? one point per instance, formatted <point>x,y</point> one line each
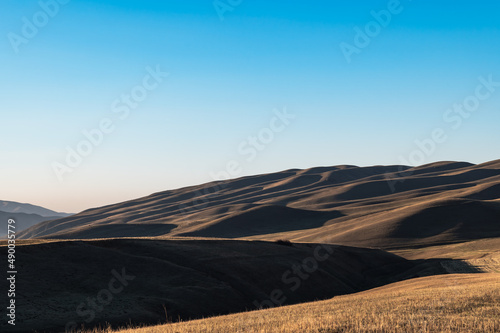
<point>445,303</point>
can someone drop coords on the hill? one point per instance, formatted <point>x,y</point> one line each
<point>141,281</point>
<point>23,221</point>
<point>387,207</point>
<point>16,207</point>
<point>446,303</point>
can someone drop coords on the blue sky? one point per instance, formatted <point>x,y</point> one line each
<point>226,79</point>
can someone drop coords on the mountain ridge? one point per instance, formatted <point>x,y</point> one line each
<point>17,207</point>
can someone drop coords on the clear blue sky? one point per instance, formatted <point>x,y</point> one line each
<point>226,79</point>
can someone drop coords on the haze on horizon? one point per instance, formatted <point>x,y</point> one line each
<point>165,95</point>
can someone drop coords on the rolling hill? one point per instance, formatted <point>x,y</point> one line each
<point>387,207</point>
<point>446,303</point>
<point>64,284</point>
<point>224,247</point>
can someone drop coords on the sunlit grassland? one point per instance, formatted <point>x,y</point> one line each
<point>446,303</point>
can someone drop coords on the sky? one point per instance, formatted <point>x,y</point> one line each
<point>107,101</point>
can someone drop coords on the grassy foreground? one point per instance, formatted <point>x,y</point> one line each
<point>446,303</point>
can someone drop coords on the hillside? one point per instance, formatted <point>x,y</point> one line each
<point>25,215</point>
<point>23,221</point>
<point>16,207</point>
<point>383,206</point>
<point>449,303</point>
<point>140,280</point>
<point>212,249</point>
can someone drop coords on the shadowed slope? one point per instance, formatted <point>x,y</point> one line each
<point>266,219</point>
<point>118,230</point>
<point>189,279</point>
<point>422,224</point>
<point>446,303</point>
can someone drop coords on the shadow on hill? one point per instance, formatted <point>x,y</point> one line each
<point>458,266</point>
<point>119,230</point>
<point>465,219</point>
<point>438,266</point>
<point>268,219</point>
<point>192,278</point>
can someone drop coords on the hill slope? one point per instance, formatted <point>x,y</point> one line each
<point>23,221</point>
<point>137,280</point>
<point>16,207</point>
<point>381,206</point>
<point>446,303</point>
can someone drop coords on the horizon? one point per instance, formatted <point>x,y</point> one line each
<point>115,100</point>
<point>236,178</point>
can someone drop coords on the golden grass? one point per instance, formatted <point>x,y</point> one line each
<point>446,303</point>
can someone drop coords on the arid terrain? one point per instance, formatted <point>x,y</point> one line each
<point>382,206</point>
<point>426,238</point>
<point>449,303</point>
<point>190,278</point>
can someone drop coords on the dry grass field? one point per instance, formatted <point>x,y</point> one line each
<point>447,303</point>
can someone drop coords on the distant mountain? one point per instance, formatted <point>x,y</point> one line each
<point>23,221</point>
<point>381,206</point>
<point>25,215</point>
<point>16,207</point>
